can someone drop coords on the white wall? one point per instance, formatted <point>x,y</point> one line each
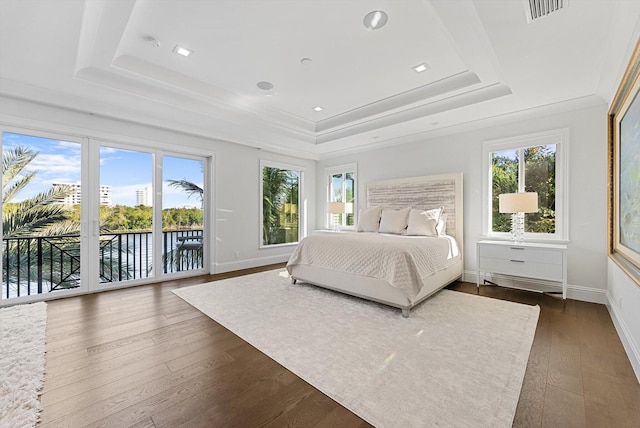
<point>236,174</point>
<point>587,254</point>
<point>624,306</point>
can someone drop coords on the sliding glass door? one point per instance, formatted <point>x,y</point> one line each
<point>41,216</point>
<point>80,215</point>
<point>182,214</point>
<point>125,215</point>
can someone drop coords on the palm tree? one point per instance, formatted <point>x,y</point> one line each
<point>189,188</point>
<point>35,217</point>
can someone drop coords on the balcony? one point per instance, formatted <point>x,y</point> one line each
<point>44,264</point>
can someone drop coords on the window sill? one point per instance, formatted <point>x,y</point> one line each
<point>287,244</point>
<point>531,240</point>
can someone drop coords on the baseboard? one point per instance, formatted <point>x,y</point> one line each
<point>575,292</point>
<point>222,267</point>
<point>632,348</point>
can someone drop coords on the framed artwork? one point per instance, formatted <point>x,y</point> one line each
<point>624,171</point>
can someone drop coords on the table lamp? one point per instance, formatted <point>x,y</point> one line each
<point>517,204</point>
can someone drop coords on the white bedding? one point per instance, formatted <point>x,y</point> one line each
<point>403,261</point>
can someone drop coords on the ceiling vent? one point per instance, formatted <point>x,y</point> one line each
<point>537,9</point>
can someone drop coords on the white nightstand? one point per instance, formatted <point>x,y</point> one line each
<point>530,260</point>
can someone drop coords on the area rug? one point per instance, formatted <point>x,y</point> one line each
<point>22,348</point>
<point>457,361</point>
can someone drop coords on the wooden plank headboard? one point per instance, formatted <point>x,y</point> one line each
<point>424,192</point>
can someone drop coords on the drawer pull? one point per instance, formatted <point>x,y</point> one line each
<point>517,248</point>
<point>517,261</point>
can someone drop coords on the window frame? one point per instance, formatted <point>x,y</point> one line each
<point>301,208</point>
<point>329,172</point>
<point>560,138</point>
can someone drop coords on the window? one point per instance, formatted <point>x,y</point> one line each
<point>531,163</point>
<point>341,187</point>
<point>280,197</point>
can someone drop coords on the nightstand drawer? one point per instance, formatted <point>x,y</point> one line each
<point>523,254</point>
<point>520,267</point>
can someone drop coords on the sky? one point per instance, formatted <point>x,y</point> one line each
<point>125,170</point>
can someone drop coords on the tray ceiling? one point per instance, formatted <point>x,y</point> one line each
<point>306,76</point>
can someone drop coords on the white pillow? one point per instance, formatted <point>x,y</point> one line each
<point>394,221</point>
<point>424,222</point>
<point>441,227</point>
<point>369,219</point>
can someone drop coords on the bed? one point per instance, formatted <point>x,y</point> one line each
<point>390,262</point>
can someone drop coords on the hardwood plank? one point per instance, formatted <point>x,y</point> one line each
<point>531,403</point>
<point>215,381</point>
<point>222,401</point>
<point>129,363</point>
<point>565,368</point>
<point>612,391</point>
<point>563,409</point>
<point>601,416</point>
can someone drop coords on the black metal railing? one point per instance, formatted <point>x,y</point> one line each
<point>42,264</point>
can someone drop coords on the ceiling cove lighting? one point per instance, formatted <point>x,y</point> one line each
<point>181,50</point>
<point>420,68</point>
<point>317,108</point>
<point>375,20</point>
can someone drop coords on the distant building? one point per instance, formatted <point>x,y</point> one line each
<point>143,197</point>
<point>105,195</point>
<point>75,198</point>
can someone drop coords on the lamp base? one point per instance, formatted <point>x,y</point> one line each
<point>517,227</point>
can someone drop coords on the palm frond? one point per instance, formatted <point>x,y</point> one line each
<point>12,188</point>
<point>48,197</point>
<point>14,161</point>
<point>187,186</point>
<point>23,220</point>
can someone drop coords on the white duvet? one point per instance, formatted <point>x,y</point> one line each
<point>403,261</point>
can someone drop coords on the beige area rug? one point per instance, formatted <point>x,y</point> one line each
<point>458,361</point>
<point>22,348</point>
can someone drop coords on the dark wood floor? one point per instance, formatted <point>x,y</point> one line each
<point>142,357</point>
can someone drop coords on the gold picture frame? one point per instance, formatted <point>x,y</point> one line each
<point>624,171</point>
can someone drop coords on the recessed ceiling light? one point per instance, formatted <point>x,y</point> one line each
<point>317,108</point>
<point>181,50</point>
<point>420,68</point>
<point>375,20</point>
<point>306,61</point>
<point>265,86</point>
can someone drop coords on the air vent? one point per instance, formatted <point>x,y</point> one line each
<point>537,9</point>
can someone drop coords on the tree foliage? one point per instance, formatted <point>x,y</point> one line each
<point>120,218</point>
<point>279,191</point>
<point>540,177</point>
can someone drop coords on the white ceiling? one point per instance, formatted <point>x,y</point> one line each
<point>485,61</point>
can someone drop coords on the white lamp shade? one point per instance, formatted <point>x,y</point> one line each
<point>336,207</point>
<point>525,202</point>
